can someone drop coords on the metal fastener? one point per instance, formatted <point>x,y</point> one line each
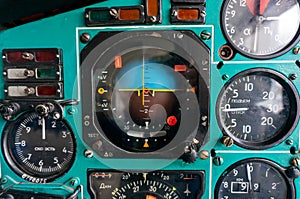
<point>88,154</point>
<point>289,142</point>
<point>227,141</point>
<point>293,76</point>
<point>204,154</point>
<point>296,162</point>
<point>113,12</point>
<point>218,161</point>
<point>85,37</point>
<point>205,35</point>
<point>296,50</point>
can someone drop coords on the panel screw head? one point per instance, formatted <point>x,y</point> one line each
<point>204,154</point>
<point>296,50</point>
<point>88,154</point>
<point>227,141</point>
<point>205,35</point>
<point>293,76</point>
<point>85,37</point>
<point>289,142</point>
<point>296,162</point>
<point>218,161</point>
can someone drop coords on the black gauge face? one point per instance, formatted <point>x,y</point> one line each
<point>144,113</point>
<point>154,185</point>
<point>261,29</point>
<point>254,178</point>
<point>39,148</point>
<point>257,108</point>
<point>145,89</point>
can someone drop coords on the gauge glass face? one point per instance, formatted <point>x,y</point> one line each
<point>254,178</point>
<point>261,29</point>
<point>142,88</point>
<point>153,185</point>
<point>145,93</point>
<point>257,109</point>
<point>39,148</point>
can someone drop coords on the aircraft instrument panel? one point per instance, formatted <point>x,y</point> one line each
<point>153,99</point>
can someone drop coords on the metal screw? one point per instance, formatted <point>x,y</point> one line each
<point>27,56</point>
<point>203,14</point>
<point>71,110</point>
<point>204,154</point>
<point>74,182</point>
<point>153,19</point>
<point>296,50</point>
<point>205,35</point>
<point>88,154</point>
<point>85,37</point>
<point>56,115</point>
<point>28,73</point>
<point>4,180</point>
<point>218,161</point>
<point>293,76</point>
<point>296,162</point>
<point>227,141</point>
<point>113,12</point>
<point>289,142</point>
<point>225,77</point>
<point>174,13</point>
<point>29,91</point>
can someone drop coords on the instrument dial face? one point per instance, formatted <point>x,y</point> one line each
<point>258,108</point>
<point>145,88</point>
<point>254,178</point>
<point>144,112</point>
<point>153,185</point>
<point>39,148</point>
<point>261,29</point>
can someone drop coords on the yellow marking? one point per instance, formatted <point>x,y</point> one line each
<point>174,188</point>
<point>101,91</point>
<point>143,81</point>
<point>146,145</point>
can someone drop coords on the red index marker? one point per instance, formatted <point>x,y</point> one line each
<point>252,6</point>
<point>263,5</point>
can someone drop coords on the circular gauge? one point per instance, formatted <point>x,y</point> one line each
<point>146,87</point>
<point>258,108</point>
<point>39,149</point>
<point>153,185</point>
<point>254,178</point>
<point>259,29</point>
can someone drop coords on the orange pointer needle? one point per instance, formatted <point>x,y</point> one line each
<point>252,6</point>
<point>263,5</point>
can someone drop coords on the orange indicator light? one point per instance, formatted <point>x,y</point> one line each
<point>180,68</point>
<point>193,89</point>
<point>188,14</point>
<point>118,62</point>
<point>152,8</point>
<point>172,120</point>
<point>129,14</point>
<point>150,197</point>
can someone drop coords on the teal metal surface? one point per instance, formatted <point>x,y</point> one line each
<point>63,31</point>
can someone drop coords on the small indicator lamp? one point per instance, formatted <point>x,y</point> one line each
<point>129,14</point>
<point>46,90</point>
<point>186,14</point>
<point>180,68</point>
<point>45,56</point>
<point>172,120</point>
<point>118,62</point>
